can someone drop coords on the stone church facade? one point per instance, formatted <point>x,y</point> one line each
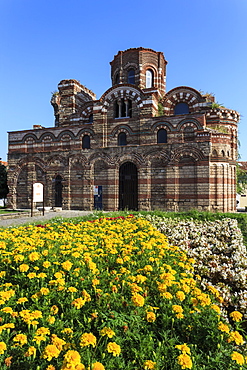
<point>137,147</point>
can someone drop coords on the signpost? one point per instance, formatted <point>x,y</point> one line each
<point>37,195</point>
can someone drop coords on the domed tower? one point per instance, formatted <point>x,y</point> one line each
<point>141,67</point>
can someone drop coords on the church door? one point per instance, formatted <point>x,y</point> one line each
<point>128,187</point>
<point>58,191</point>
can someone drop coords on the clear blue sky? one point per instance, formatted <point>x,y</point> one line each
<point>45,41</point>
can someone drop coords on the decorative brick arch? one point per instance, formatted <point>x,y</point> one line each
<point>182,94</point>
<point>189,151</point>
<point>127,91</point>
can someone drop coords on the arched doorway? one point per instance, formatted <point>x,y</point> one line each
<point>128,186</point>
<point>58,191</point>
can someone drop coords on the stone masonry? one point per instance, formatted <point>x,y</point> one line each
<point>147,148</point>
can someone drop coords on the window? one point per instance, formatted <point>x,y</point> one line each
<point>181,108</point>
<point>86,142</point>
<point>149,78</point>
<point>131,76</point>
<point>90,118</point>
<point>123,108</point>
<point>122,140</point>
<point>162,136</point>
<point>189,133</point>
<point>117,79</point>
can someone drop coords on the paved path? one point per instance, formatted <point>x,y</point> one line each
<point>25,219</point>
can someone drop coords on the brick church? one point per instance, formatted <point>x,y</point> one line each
<point>137,147</point>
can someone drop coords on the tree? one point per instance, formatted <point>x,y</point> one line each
<point>241,179</point>
<point>3,182</point>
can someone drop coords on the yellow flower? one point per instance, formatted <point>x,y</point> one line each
<point>107,331</point>
<point>167,295</point>
<point>46,264</point>
<point>78,302</point>
<point>54,309</point>
<point>223,327</point>
<point>216,308</point>
<point>184,361</point>
<point>149,365</point>
<point>236,316</point>
<point>177,309</point>
<point>3,347</point>
<point>44,291</point>
<point>180,295</point>
<point>42,331</point>
<point>67,265</point>
<point>238,358</point>
<point>151,317</point>
<point>30,352</point>
<point>88,339</point>
<point>183,348</point>
<point>34,256</point>
<point>138,300</point>
<point>50,351</point>
<point>7,310</point>
<point>98,366</point>
<point>71,360</point>
<point>113,348</point>
<point>234,336</point>
<point>31,275</point>
<point>23,268</point>
<point>22,300</point>
<point>58,342</point>
<point>21,338</point>
<point>72,289</point>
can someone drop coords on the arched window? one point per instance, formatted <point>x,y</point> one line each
<point>131,76</point>
<point>90,118</point>
<point>149,78</point>
<point>162,136</point>
<point>181,108</point>
<point>86,142</point>
<point>123,108</point>
<point>117,79</point>
<point>122,139</point>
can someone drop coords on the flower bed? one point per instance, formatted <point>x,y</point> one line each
<point>220,255</point>
<point>109,294</point>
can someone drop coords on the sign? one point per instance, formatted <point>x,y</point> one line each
<point>95,190</point>
<point>37,192</point>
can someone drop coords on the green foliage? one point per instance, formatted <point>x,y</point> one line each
<point>160,109</point>
<point>241,179</point>
<point>3,182</point>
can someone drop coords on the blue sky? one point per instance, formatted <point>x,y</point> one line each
<point>46,41</point>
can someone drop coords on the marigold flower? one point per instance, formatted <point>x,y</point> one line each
<point>238,357</point>
<point>177,309</point>
<point>184,361</point>
<point>71,357</point>
<point>234,336</point>
<point>151,317</point>
<point>44,291</point>
<point>42,331</point>
<point>67,265</point>
<point>78,302</point>
<point>21,338</point>
<point>24,267</point>
<point>113,348</point>
<point>107,331</point>
<point>149,365</point>
<point>3,347</point>
<point>236,316</point>
<point>54,309</point>
<point>7,361</point>
<point>30,352</point>
<point>22,300</point>
<point>50,351</point>
<point>183,348</point>
<point>180,295</point>
<point>31,275</point>
<point>58,342</point>
<point>216,308</point>
<point>88,339</point>
<point>138,300</point>
<point>98,366</point>
<point>223,327</point>
<point>34,256</point>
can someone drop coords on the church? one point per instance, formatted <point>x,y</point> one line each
<point>137,147</point>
